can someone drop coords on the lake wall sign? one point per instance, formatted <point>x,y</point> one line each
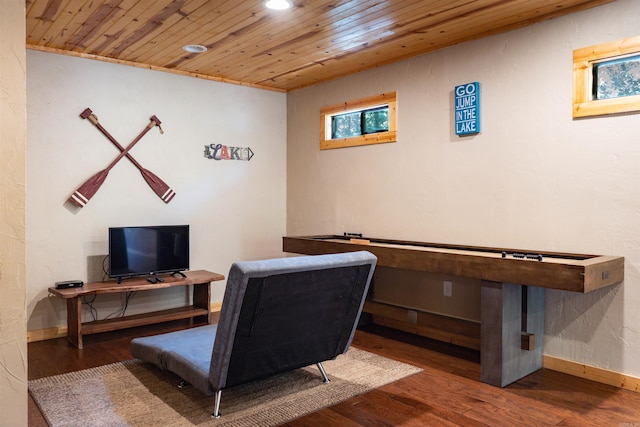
<point>467,108</point>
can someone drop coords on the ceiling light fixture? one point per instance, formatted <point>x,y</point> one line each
<point>278,4</point>
<point>194,48</point>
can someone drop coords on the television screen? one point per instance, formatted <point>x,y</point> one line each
<point>148,250</point>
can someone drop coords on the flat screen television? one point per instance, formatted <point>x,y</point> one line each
<point>148,250</point>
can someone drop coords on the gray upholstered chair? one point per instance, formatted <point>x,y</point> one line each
<point>277,315</point>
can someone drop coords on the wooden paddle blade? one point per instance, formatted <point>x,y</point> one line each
<point>158,186</point>
<point>85,192</point>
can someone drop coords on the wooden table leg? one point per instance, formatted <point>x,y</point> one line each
<point>74,322</point>
<point>202,298</point>
<point>506,316</point>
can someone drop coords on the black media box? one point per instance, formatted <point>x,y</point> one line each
<point>69,284</point>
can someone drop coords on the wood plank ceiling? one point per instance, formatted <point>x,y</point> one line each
<point>314,41</point>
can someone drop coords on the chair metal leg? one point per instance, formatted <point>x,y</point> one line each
<point>216,409</point>
<point>325,378</point>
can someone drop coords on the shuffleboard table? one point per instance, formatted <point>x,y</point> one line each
<point>512,294</point>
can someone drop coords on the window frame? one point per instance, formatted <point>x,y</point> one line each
<point>326,113</point>
<point>583,59</point>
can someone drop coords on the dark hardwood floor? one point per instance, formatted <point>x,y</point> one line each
<point>447,392</point>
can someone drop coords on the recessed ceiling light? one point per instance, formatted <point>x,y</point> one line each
<point>194,48</point>
<point>278,4</point>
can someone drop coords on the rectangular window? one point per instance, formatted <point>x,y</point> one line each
<point>616,78</point>
<point>364,121</point>
<point>360,122</point>
<point>606,78</point>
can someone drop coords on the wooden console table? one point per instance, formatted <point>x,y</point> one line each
<point>199,310</point>
<point>512,289</point>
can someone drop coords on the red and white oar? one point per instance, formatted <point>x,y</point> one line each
<point>157,185</point>
<point>87,190</point>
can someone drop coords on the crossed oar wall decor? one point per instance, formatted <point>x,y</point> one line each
<point>86,191</point>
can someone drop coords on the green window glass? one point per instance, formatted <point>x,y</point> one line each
<point>346,125</point>
<point>376,120</point>
<point>360,122</point>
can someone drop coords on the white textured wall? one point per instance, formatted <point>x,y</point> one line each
<point>533,179</point>
<point>236,209</point>
<point>13,331</point>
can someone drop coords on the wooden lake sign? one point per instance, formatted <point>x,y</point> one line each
<point>467,108</point>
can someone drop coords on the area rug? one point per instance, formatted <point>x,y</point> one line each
<point>135,393</point>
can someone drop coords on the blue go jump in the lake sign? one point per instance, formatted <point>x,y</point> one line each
<point>467,108</point>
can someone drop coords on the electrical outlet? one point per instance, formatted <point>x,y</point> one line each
<point>447,288</point>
